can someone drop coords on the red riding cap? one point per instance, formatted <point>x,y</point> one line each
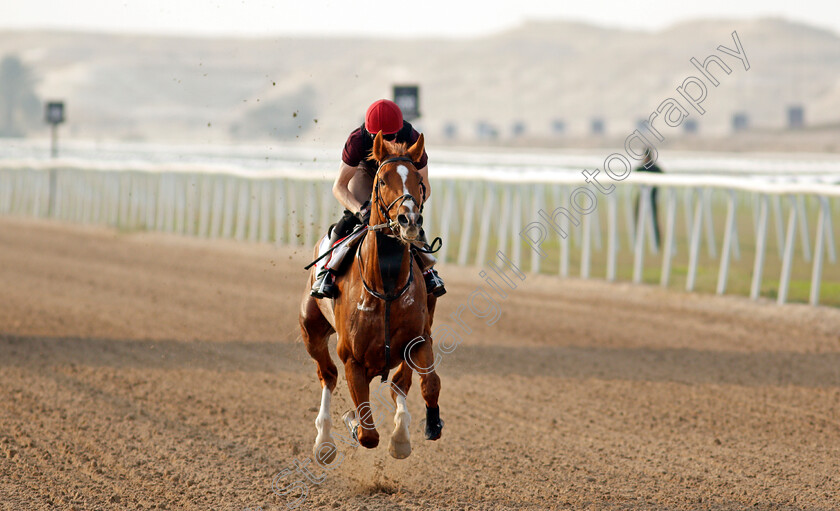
<point>383,115</point>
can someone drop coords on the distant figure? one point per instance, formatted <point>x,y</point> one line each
<point>648,166</point>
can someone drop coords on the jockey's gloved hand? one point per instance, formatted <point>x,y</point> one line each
<point>364,214</point>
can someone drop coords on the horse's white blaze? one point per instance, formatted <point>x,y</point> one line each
<point>401,439</point>
<point>402,170</point>
<point>323,424</point>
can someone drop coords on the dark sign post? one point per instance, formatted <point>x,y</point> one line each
<point>796,117</point>
<point>407,97</point>
<point>54,116</point>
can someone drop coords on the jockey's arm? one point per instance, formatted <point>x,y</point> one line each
<point>425,173</point>
<point>341,190</point>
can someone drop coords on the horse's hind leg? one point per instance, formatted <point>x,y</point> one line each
<point>316,332</point>
<point>400,446</point>
<point>424,357</point>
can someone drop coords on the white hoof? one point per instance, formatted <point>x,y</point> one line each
<point>324,451</point>
<point>400,449</point>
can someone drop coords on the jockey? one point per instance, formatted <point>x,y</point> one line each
<point>352,188</point>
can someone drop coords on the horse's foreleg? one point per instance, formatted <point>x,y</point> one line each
<point>429,386</point>
<point>400,446</point>
<point>360,392</point>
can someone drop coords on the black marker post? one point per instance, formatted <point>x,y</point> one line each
<point>54,116</point>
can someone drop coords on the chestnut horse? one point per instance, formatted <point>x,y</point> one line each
<point>382,314</point>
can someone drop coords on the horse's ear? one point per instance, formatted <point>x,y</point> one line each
<point>415,152</point>
<point>379,149</point>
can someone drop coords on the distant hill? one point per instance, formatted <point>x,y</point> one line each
<point>539,76</point>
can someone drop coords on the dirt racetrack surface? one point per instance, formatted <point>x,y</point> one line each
<point>146,371</point>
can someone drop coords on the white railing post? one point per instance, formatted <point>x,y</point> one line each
<point>612,236</point>
<point>760,248</point>
<point>516,241</point>
<point>816,272</point>
<point>729,234</point>
<point>669,242</point>
<point>596,230</point>
<point>265,210</point>
<point>229,208</point>
<point>536,205</point>
<point>706,198</point>
<point>180,190</point>
<point>292,191</point>
<point>736,238</point>
<point>193,191</point>
<point>777,221</point>
<point>787,260</point>
<point>218,207</point>
<point>446,218</point>
<point>688,209</point>
<point>696,236</point>
<point>281,210</point>
<point>242,202</point>
<point>467,222</point>
<point>254,199</point>
<point>204,199</point>
<point>829,234</point>
<point>504,220</point>
<point>641,221</point>
<point>630,217</point>
<point>804,233</point>
<point>586,246</point>
<point>557,194</point>
<point>309,215</point>
<point>327,201</point>
<point>487,213</point>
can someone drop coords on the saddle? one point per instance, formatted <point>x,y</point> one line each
<point>335,258</point>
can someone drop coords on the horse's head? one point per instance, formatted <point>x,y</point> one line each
<point>398,189</point>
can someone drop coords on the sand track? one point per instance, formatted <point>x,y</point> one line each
<point>144,371</point>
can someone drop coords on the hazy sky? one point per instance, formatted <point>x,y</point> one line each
<point>384,19</point>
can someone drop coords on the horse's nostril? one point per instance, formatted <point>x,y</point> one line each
<point>403,220</point>
<point>419,219</point>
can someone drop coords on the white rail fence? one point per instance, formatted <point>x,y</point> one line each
<point>474,217</point>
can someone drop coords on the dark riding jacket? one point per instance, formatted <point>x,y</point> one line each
<point>359,145</point>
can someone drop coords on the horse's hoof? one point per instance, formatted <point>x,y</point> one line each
<point>369,441</point>
<point>324,452</point>
<point>349,417</point>
<point>434,424</point>
<point>434,432</point>
<point>399,450</point>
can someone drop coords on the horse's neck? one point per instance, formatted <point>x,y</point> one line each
<point>386,262</point>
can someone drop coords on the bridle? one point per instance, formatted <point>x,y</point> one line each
<point>399,201</point>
